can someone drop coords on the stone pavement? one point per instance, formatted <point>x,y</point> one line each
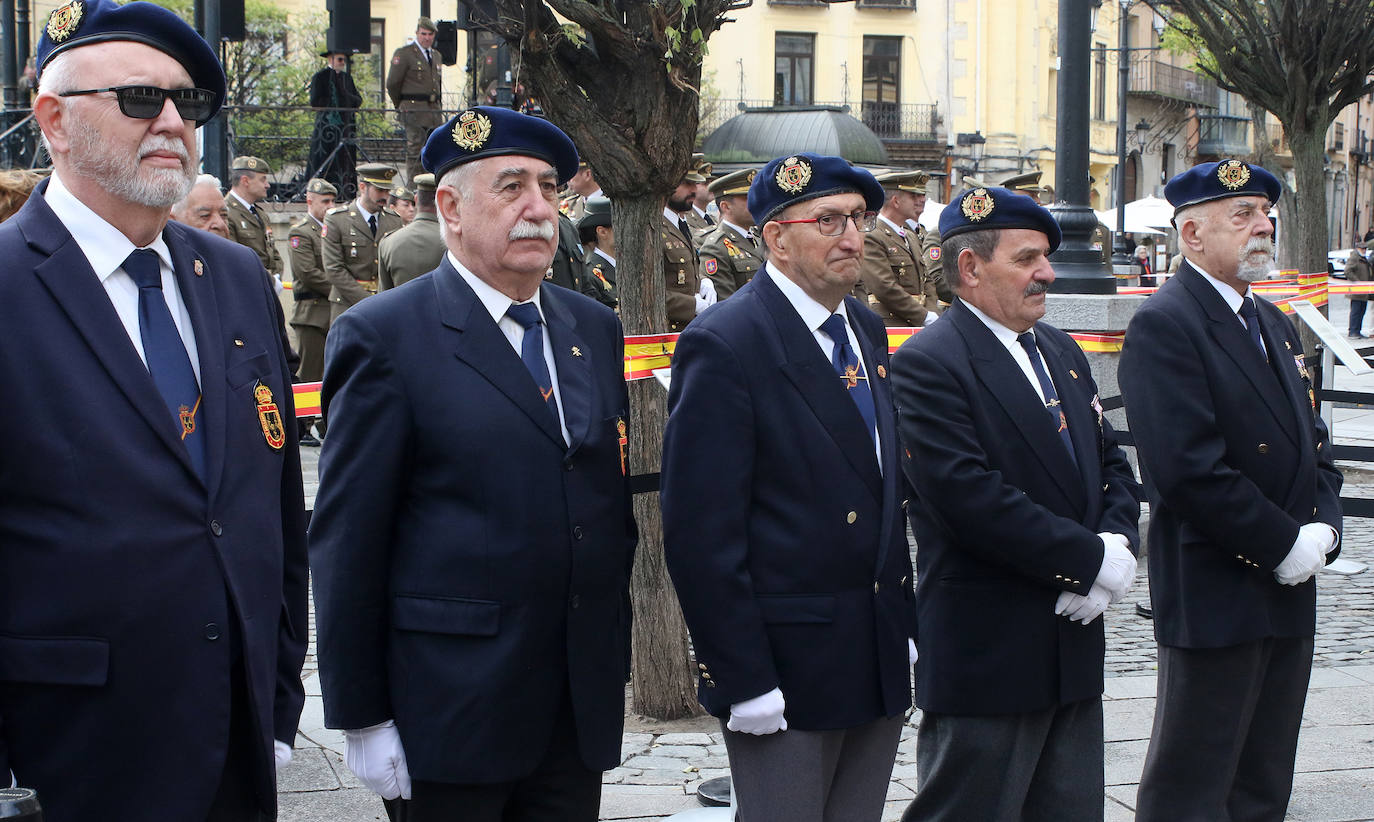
<point>663,762</point>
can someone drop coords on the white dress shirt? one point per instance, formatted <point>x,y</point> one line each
<point>1233,299</point>
<point>1007,338</point>
<point>106,248</point>
<point>497,304</point>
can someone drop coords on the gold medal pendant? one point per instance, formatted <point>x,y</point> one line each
<point>269,417</point>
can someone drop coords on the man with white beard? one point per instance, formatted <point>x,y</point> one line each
<point>1244,508</point>
<point>152,528</point>
<point>473,536</point>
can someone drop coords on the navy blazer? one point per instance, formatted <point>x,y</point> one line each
<point>128,584</point>
<point>1234,459</point>
<point>1005,519</point>
<point>783,538</point>
<point>471,569</point>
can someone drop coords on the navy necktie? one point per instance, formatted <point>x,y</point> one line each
<point>372,223</point>
<point>165,353</point>
<point>686,232</point>
<point>532,349</point>
<point>1060,422</point>
<point>851,371</point>
<point>1250,313</point>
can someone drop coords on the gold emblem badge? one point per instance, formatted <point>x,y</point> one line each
<point>64,20</point>
<point>1233,174</point>
<point>269,416</point>
<point>1073,373</point>
<point>199,268</point>
<point>851,376</point>
<point>188,419</point>
<point>977,205</point>
<point>576,352</point>
<point>472,130</point>
<point>753,172</point>
<point>793,175</point>
<point>624,441</point>
<point>882,371</point>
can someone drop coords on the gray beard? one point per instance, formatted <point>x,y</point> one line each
<point>121,176</point>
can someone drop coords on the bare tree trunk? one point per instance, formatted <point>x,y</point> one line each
<point>1307,235</point>
<point>662,679</point>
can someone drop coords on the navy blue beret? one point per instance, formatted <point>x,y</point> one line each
<point>1226,178</point>
<point>84,22</point>
<point>797,178</point>
<point>994,207</point>
<point>487,131</point>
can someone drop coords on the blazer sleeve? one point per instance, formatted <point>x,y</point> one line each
<point>958,484</point>
<point>1182,450</point>
<point>363,470</point>
<point>706,514</point>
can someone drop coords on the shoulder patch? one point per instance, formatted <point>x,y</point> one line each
<point>396,61</point>
<point>934,253</point>
<point>711,265</point>
<point>295,242</point>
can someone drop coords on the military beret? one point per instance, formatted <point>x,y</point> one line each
<point>997,208</point>
<point>377,174</point>
<point>403,193</point>
<point>424,182</point>
<point>736,182</point>
<point>426,24</point>
<point>1226,178</point>
<point>319,185</point>
<point>85,22</point>
<point>598,212</point>
<point>797,178</point>
<point>488,131</point>
<point>250,164</point>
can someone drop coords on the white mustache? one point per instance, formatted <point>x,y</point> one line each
<point>166,144</point>
<point>527,230</point>
<point>1259,245</point>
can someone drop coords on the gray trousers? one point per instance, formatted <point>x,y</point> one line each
<point>813,776</point>
<point>1045,765</point>
<point>1226,732</point>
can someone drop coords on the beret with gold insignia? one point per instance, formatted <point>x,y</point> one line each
<point>1226,178</point>
<point>993,207</point>
<point>797,178</point>
<point>488,131</point>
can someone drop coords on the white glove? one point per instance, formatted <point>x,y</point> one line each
<point>707,289</point>
<point>1118,566</point>
<point>282,752</point>
<point>931,317</point>
<point>760,715</point>
<point>1085,609</point>
<point>911,654</point>
<point>375,756</point>
<point>278,284</point>
<point>1308,554</point>
<point>702,304</point>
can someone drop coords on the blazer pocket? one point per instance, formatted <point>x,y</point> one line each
<point>54,660</point>
<point>446,615</point>
<point>786,609</point>
<point>256,367</point>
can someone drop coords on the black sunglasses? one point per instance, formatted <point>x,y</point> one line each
<point>146,102</point>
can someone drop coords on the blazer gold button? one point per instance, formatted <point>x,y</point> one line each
<point>1263,448</point>
<point>701,665</point>
<point>238,343</point>
<point>1105,486</point>
<point>851,517</point>
<point>875,586</point>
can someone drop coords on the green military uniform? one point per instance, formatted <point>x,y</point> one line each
<point>891,280</point>
<point>349,246</point>
<point>247,224</point>
<point>598,279</point>
<point>699,225</point>
<point>680,274</point>
<point>413,250</point>
<point>310,294</point>
<point>933,266</point>
<point>415,85</point>
<point>731,256</point>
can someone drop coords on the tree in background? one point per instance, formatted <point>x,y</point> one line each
<point>1301,60</point>
<point>622,78</point>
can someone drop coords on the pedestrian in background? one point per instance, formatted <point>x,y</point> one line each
<point>1357,270</point>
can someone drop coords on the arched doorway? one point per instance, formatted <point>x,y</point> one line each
<point>1132,177</point>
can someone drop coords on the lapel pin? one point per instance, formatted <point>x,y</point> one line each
<point>238,343</point>
<point>882,371</point>
<point>200,268</point>
<point>1287,345</point>
<point>576,352</point>
<point>1073,373</point>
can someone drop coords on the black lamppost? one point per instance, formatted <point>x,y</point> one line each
<point>1078,268</point>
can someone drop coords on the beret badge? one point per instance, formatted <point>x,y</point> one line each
<point>472,130</point>
<point>977,205</point>
<point>65,19</point>
<point>793,175</point>
<point>1233,174</point>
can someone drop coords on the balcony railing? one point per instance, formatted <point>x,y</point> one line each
<point>906,5</point>
<point>916,122</point>
<point>1222,135</point>
<point>1156,78</point>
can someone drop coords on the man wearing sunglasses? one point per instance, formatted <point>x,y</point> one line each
<point>151,516</point>
<point>792,566</point>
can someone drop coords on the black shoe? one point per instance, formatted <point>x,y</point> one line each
<point>1357,336</point>
<point>1145,610</point>
<point>309,441</point>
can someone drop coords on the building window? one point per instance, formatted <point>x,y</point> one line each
<point>1100,78</point>
<point>793,68</point>
<point>369,73</point>
<point>882,85</point>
